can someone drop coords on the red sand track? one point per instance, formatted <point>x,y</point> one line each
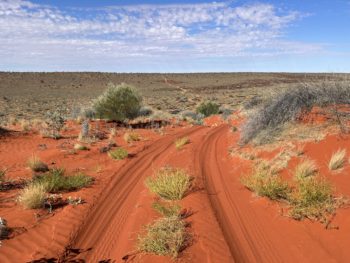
<point>229,224</point>
<point>252,233</point>
<point>104,231</point>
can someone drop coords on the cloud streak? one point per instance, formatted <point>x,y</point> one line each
<point>32,34</point>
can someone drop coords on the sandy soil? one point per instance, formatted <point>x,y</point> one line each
<point>228,223</point>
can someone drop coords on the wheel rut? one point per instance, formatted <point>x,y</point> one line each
<point>99,236</point>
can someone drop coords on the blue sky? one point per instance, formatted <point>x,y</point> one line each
<point>175,36</point>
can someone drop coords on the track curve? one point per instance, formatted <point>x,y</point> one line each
<point>250,237</point>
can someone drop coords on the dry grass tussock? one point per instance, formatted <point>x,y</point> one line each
<point>179,143</point>
<point>131,137</point>
<point>118,154</point>
<point>166,236</point>
<point>169,183</point>
<point>36,165</point>
<point>305,169</point>
<point>311,196</point>
<point>33,196</point>
<point>265,182</point>
<point>337,160</point>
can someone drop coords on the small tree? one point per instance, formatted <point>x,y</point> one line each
<point>208,108</point>
<point>118,102</point>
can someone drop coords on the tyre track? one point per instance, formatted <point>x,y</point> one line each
<point>250,237</point>
<point>104,224</point>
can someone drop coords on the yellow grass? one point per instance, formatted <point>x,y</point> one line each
<point>337,160</point>
<point>179,143</point>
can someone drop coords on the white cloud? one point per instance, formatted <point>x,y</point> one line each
<point>32,34</point>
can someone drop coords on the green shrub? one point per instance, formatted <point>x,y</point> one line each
<point>169,183</point>
<point>208,108</point>
<point>166,236</point>
<point>167,209</point>
<point>118,154</point>
<point>118,103</point>
<point>55,181</point>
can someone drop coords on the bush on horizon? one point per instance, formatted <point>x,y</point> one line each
<point>118,103</point>
<point>208,108</point>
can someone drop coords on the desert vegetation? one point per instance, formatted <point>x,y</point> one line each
<point>310,196</point>
<point>118,154</point>
<point>166,236</point>
<point>55,181</point>
<point>265,182</point>
<point>337,160</point>
<point>208,108</point>
<point>291,104</point>
<point>118,103</point>
<point>179,143</point>
<point>169,183</point>
<point>305,169</point>
<point>36,165</point>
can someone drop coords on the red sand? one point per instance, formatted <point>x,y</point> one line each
<point>229,224</point>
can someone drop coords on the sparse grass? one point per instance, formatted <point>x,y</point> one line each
<point>55,181</point>
<point>169,183</point>
<point>32,196</point>
<point>179,143</point>
<point>266,183</point>
<point>167,209</point>
<point>166,236</point>
<point>36,165</point>
<point>337,160</point>
<point>305,169</point>
<point>131,137</point>
<point>80,147</point>
<point>312,199</point>
<point>118,154</point>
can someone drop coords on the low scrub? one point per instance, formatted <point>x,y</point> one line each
<point>305,169</point>
<point>337,160</point>
<point>179,143</point>
<point>55,181</point>
<point>167,209</point>
<point>208,108</point>
<point>118,103</point>
<point>313,199</point>
<point>169,183</point>
<point>131,137</point>
<point>266,183</point>
<point>118,154</point>
<point>290,104</point>
<point>33,196</point>
<point>166,237</point>
<point>36,165</point>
